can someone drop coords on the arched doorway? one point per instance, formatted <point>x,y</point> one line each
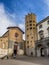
<point>40,50</point>
<point>15,48</point>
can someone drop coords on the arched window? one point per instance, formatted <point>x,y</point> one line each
<point>41,34</point>
<point>16,34</point>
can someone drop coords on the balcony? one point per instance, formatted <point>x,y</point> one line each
<point>42,40</point>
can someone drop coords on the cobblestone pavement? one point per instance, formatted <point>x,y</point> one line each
<point>25,60</point>
<point>15,62</point>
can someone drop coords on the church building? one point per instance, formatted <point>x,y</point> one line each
<point>12,42</point>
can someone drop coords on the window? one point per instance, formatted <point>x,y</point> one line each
<point>48,21</point>
<point>16,34</point>
<point>27,28</point>
<point>30,21</point>
<point>32,37</point>
<point>30,24</point>
<point>34,28</point>
<point>33,24</point>
<point>27,25</point>
<point>40,26</point>
<point>27,21</point>
<point>33,21</point>
<point>28,46</point>
<point>27,41</point>
<point>41,34</point>
<point>31,41</point>
<point>30,28</point>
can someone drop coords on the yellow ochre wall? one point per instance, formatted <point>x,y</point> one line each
<point>12,36</point>
<point>7,46</point>
<point>4,42</point>
<point>32,33</point>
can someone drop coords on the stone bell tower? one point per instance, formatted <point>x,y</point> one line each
<point>30,33</point>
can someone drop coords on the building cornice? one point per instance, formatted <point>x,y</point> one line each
<point>43,20</point>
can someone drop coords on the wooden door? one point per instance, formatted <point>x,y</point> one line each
<point>15,49</point>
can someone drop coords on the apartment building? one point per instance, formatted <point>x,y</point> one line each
<point>42,44</point>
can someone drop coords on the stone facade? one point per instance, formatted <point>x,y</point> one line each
<point>42,47</point>
<point>12,41</point>
<point>36,38</point>
<point>42,44</point>
<point>30,33</point>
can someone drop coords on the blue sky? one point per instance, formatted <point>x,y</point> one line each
<point>13,12</point>
<point>22,7</point>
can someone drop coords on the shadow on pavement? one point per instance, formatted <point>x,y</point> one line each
<point>36,60</point>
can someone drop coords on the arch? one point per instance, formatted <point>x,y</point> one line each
<point>40,50</point>
<point>48,44</point>
<point>39,45</point>
<point>41,31</point>
<point>16,43</point>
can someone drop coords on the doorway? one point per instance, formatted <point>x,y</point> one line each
<point>42,52</point>
<point>15,49</point>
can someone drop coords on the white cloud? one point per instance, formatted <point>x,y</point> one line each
<point>5,21</point>
<point>46,2</point>
<point>45,8</point>
<point>22,26</point>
